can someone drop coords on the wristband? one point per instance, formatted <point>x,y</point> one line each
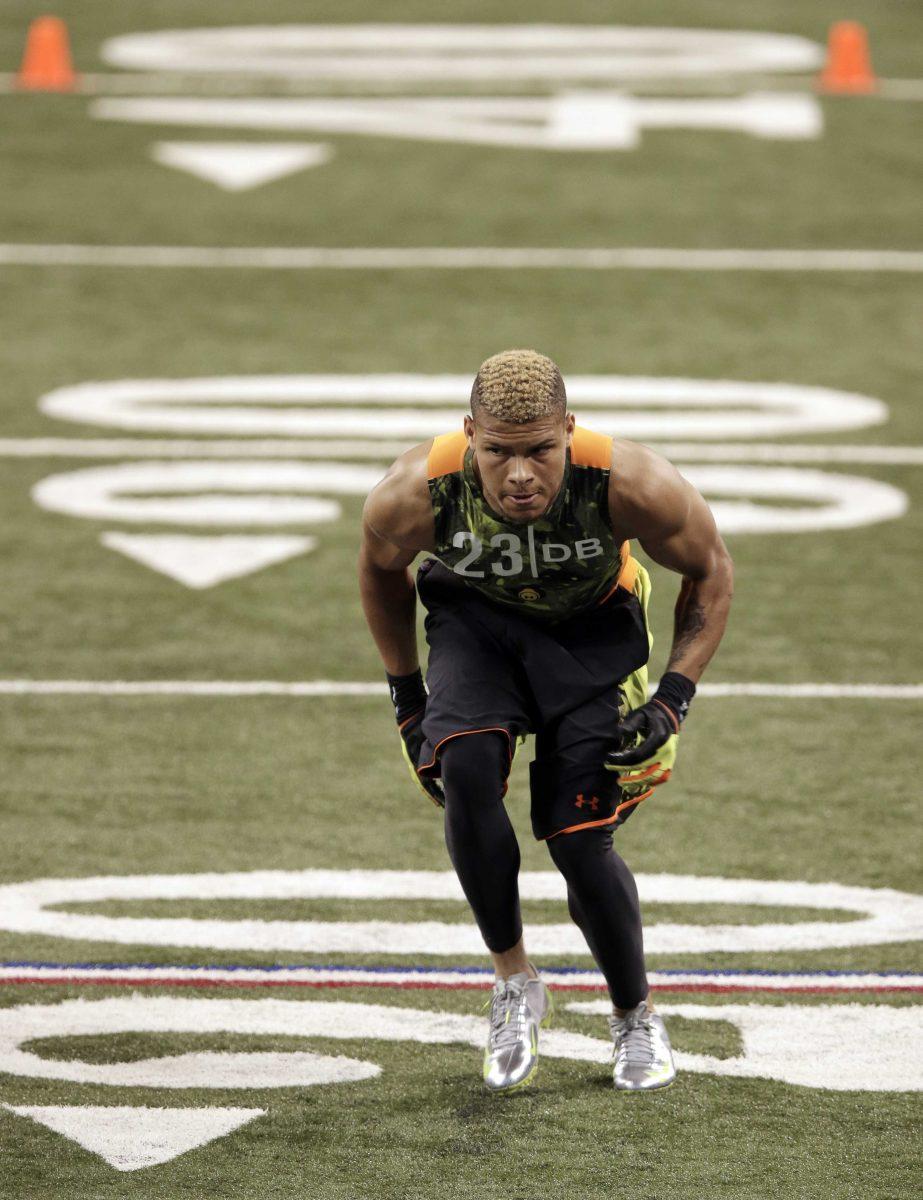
<point>408,695</point>
<point>675,692</point>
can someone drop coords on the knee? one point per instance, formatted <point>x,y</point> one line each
<point>571,852</point>
<point>475,765</point>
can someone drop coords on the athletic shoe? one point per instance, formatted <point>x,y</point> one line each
<point>517,1007</point>
<point>643,1058</point>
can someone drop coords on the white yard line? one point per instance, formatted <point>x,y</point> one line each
<point>213,83</point>
<point>263,86</point>
<point>794,453</point>
<point>326,687</point>
<point>458,258</point>
<point>816,691</point>
<point>186,687</point>
<point>145,974</point>
<point>50,447</point>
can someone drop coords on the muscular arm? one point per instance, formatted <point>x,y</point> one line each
<point>396,525</point>
<point>651,501</point>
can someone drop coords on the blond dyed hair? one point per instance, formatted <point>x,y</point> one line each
<point>518,386</point>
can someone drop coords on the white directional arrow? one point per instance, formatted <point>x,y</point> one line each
<point>201,562</point>
<point>131,1138</point>
<point>582,120</point>
<point>236,166</point>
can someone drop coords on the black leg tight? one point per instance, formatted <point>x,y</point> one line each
<point>601,893</point>
<point>603,900</point>
<point>479,836</point>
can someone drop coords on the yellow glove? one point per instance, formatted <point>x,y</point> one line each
<point>411,732</point>
<point>637,779</point>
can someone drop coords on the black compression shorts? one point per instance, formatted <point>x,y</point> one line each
<point>493,669</point>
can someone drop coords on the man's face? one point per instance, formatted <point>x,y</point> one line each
<point>521,467</point>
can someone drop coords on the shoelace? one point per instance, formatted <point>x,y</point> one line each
<point>507,1012</point>
<point>636,1040</point>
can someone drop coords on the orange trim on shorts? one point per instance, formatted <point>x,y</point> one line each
<point>464,733</point>
<point>589,449</point>
<point>447,454</point>
<point>606,820</point>
<point>633,802</point>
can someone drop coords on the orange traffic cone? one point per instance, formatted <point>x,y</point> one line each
<point>849,65</point>
<point>46,64</point>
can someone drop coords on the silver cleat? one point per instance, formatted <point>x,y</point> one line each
<point>643,1058</point>
<point>518,1007</point>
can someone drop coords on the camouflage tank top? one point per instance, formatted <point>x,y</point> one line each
<point>564,561</point>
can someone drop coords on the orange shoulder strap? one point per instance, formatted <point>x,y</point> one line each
<point>589,449</point>
<point>447,454</point>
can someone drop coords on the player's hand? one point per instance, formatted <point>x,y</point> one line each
<point>643,731</point>
<point>411,731</point>
<point>637,777</point>
<point>649,738</point>
<point>408,695</point>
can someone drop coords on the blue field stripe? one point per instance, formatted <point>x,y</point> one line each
<point>708,972</point>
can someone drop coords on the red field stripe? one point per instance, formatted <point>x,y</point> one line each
<point>161,981</point>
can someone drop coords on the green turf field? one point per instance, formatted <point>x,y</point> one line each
<point>793,790</point>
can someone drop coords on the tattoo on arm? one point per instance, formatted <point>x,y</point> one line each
<point>688,622</point>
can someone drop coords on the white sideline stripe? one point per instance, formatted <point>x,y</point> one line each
<point>503,258</point>
<point>398,977</point>
<point>39,447</point>
<point>326,687</point>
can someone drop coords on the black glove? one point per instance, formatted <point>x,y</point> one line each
<point>408,695</point>
<point>654,723</point>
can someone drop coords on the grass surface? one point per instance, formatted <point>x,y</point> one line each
<point>426,1128</point>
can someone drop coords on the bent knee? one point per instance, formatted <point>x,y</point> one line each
<point>570,851</point>
<point>475,764</point>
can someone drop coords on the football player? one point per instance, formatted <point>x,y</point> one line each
<point>537,622</point>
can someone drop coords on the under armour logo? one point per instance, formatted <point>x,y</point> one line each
<point>591,802</point>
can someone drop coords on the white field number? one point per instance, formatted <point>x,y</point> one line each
<point>372,415</point>
<point>589,66</point>
<point>464,53</point>
<point>861,1047</point>
<point>882,915</point>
